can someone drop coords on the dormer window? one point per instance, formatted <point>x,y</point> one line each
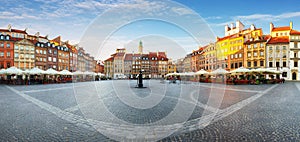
<point>38,44</point>
<point>7,37</point>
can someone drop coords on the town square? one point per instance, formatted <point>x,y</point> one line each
<point>149,70</point>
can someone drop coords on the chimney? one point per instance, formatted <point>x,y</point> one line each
<point>226,28</point>
<point>237,24</point>
<point>231,26</point>
<point>291,25</point>
<point>9,27</point>
<point>271,27</point>
<point>252,27</point>
<point>37,34</point>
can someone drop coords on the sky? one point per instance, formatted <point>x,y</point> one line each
<point>101,26</point>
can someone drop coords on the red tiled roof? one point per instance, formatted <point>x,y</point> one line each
<point>152,54</point>
<point>262,38</point>
<point>110,59</point>
<point>13,30</point>
<point>128,57</point>
<point>286,28</point>
<point>294,32</point>
<point>57,39</point>
<point>275,40</point>
<point>224,38</point>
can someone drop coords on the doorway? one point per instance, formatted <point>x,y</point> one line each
<point>294,76</point>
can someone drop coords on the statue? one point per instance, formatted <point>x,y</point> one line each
<point>140,80</point>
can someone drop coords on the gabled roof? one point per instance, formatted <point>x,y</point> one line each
<point>109,59</point>
<point>57,40</point>
<point>285,28</point>
<point>276,40</point>
<point>262,38</point>
<point>14,30</point>
<point>128,57</point>
<point>294,32</point>
<point>226,37</point>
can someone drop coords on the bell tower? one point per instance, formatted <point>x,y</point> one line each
<point>140,48</point>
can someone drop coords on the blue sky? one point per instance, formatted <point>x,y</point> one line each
<point>71,18</point>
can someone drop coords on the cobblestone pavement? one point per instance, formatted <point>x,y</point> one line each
<point>60,112</point>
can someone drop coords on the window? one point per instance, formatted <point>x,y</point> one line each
<point>231,56</point>
<point>284,64</point>
<point>261,45</point>
<point>284,74</point>
<point>41,51</point>
<point>45,52</point>
<point>21,47</point>
<point>249,64</point>
<point>255,63</point>
<point>32,56</point>
<point>16,47</point>
<point>261,53</point>
<point>255,54</point>
<point>249,46</point>
<point>240,55</point>
<point>295,44</point>
<point>295,64</point>
<point>1,54</point>
<point>231,65</point>
<point>54,52</point>
<point>1,45</point>
<point>37,51</point>
<point>236,65</point>
<point>295,55</point>
<point>271,48</point>
<point>27,48</point>
<point>277,64</point>
<point>240,64</point>
<point>54,59</point>
<point>236,55</point>
<point>7,54</point>
<point>261,63</point>
<point>284,47</point>
<point>50,51</point>
<point>255,46</point>
<point>270,64</point>
<point>277,47</point>
<point>16,55</point>
<point>7,45</point>
<point>249,54</point>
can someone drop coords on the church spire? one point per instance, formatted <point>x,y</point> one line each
<point>141,47</point>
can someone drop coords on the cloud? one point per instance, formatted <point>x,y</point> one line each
<point>268,17</point>
<point>213,18</point>
<point>14,16</point>
<point>182,11</point>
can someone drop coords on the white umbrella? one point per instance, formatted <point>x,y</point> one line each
<point>174,73</point>
<point>260,70</point>
<point>240,70</point>
<point>51,71</point>
<point>65,72</point>
<point>219,71</point>
<point>78,73</point>
<point>13,70</point>
<point>36,70</point>
<point>88,73</point>
<point>188,74</point>
<point>200,72</point>
<point>2,71</point>
<point>26,71</point>
<point>100,74</point>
